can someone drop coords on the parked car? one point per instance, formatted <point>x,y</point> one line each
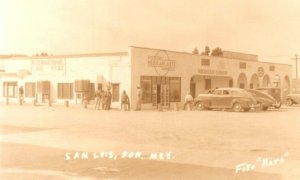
<point>292,99</point>
<point>275,92</point>
<point>264,100</point>
<point>226,98</point>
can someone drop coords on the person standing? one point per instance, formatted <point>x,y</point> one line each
<point>139,99</point>
<point>188,101</point>
<point>109,96</point>
<point>98,99</point>
<point>125,102</point>
<point>21,95</point>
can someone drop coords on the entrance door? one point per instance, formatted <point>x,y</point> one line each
<point>160,92</point>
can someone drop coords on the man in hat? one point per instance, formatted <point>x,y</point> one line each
<point>139,99</point>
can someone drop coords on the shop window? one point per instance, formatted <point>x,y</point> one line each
<point>205,62</point>
<point>10,89</point>
<point>146,89</point>
<point>230,83</point>
<point>207,84</point>
<point>242,85</point>
<point>115,92</point>
<point>92,91</point>
<point>272,68</point>
<point>99,86</point>
<point>251,86</point>
<point>243,65</point>
<point>30,89</point>
<point>175,89</point>
<point>65,90</point>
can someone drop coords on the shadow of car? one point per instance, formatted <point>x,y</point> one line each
<point>264,100</point>
<point>292,99</point>
<point>226,98</point>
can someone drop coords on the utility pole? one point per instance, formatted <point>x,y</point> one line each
<point>296,58</point>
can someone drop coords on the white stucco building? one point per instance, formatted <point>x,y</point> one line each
<point>165,76</point>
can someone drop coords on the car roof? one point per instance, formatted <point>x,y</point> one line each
<point>235,89</point>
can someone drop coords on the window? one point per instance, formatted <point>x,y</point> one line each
<point>10,89</point>
<point>230,83</point>
<point>99,86</point>
<point>251,86</point>
<point>175,94</point>
<point>217,92</point>
<point>207,84</point>
<point>205,62</point>
<point>242,65</point>
<point>92,91</point>
<point>65,90</point>
<point>272,68</point>
<point>146,89</point>
<point>115,92</point>
<point>242,85</point>
<point>29,89</point>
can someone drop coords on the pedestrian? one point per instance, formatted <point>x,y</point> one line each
<point>102,99</point>
<point>108,100</point>
<point>21,95</point>
<point>139,99</point>
<point>98,99</point>
<point>125,102</point>
<point>188,101</point>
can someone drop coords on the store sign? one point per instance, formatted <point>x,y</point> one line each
<point>260,71</point>
<point>212,72</point>
<point>161,62</point>
<point>48,66</point>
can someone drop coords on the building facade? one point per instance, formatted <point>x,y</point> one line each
<point>164,76</point>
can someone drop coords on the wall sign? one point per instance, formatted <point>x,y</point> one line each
<point>212,72</point>
<point>260,71</point>
<point>161,63</point>
<point>48,66</point>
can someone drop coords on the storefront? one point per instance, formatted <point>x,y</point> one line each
<point>164,76</point>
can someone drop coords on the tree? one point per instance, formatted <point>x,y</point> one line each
<point>195,51</point>
<point>206,51</point>
<point>217,52</point>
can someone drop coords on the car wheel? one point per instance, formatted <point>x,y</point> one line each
<point>278,106</point>
<point>289,102</point>
<point>200,106</point>
<point>237,107</point>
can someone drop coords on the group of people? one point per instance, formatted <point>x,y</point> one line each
<point>103,99</point>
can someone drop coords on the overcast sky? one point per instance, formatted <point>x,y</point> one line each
<point>269,28</point>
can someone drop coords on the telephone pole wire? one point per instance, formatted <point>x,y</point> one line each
<point>296,59</point>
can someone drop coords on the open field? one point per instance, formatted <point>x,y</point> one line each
<point>202,145</point>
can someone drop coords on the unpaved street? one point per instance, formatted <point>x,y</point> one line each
<point>36,141</point>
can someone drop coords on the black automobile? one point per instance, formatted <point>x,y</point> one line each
<point>275,92</point>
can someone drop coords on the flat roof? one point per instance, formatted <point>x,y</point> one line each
<point>63,55</point>
<point>221,57</point>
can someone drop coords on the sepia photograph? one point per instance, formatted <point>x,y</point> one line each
<point>146,90</point>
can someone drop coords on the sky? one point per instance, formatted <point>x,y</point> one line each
<point>268,28</point>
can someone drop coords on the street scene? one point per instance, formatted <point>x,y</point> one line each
<point>53,142</point>
<point>160,89</point>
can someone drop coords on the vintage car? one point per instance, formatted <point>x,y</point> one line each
<point>275,92</point>
<point>292,99</point>
<point>264,100</point>
<point>226,98</point>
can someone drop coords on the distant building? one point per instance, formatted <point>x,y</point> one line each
<point>164,76</point>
